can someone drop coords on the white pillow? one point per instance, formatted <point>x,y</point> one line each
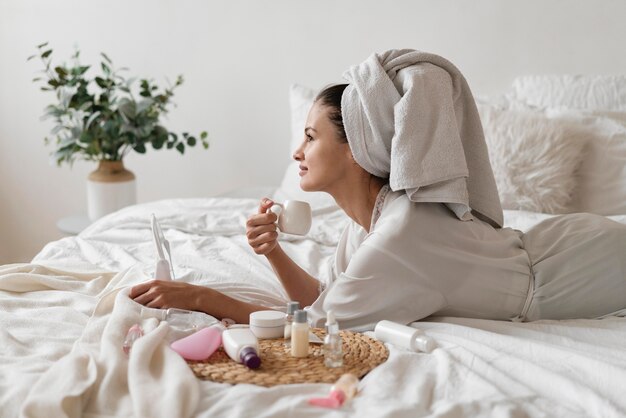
<point>601,185</point>
<point>584,92</point>
<point>534,158</point>
<point>300,100</point>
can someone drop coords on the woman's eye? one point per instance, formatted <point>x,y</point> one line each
<point>309,138</point>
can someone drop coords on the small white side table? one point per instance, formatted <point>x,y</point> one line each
<point>73,224</point>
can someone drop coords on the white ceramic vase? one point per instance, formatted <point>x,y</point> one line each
<point>109,188</point>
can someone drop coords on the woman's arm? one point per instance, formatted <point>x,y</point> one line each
<point>299,284</point>
<point>263,238</point>
<point>164,294</point>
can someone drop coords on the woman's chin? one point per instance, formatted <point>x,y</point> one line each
<point>306,187</point>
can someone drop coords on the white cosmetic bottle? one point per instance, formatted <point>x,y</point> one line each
<point>242,346</point>
<point>292,307</point>
<point>403,336</point>
<point>300,335</point>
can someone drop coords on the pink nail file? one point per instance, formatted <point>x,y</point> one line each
<point>199,345</point>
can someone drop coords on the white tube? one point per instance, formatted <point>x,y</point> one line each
<point>403,336</point>
<point>242,346</point>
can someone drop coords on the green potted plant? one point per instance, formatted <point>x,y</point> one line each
<point>102,117</point>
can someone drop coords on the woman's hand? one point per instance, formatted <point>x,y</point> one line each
<point>165,294</point>
<point>261,229</point>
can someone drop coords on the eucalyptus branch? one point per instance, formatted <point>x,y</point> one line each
<point>111,122</point>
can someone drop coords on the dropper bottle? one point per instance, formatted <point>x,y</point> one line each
<point>333,353</point>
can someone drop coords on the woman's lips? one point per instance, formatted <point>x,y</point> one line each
<point>303,170</point>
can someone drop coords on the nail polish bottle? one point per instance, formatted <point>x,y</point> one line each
<point>344,389</point>
<point>300,335</point>
<point>134,333</point>
<point>333,353</point>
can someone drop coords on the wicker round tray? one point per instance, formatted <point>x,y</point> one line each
<point>278,367</point>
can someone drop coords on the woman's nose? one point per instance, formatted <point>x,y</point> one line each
<point>298,155</point>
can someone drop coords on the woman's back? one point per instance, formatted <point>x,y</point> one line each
<point>419,260</point>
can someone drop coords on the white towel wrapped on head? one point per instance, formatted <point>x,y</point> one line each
<point>410,116</point>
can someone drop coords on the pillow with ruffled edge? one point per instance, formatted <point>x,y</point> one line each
<point>601,177</point>
<point>534,158</point>
<point>569,91</point>
<point>300,100</point>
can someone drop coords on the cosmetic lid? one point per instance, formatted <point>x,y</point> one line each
<point>267,319</point>
<point>331,323</point>
<point>250,358</point>
<point>292,307</point>
<point>330,318</point>
<point>299,317</point>
<point>423,343</point>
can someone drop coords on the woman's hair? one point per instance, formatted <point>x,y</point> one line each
<point>331,97</point>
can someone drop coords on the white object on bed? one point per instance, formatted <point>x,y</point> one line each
<point>582,92</point>
<point>96,378</point>
<point>533,157</point>
<point>164,269</point>
<point>598,103</point>
<point>601,177</point>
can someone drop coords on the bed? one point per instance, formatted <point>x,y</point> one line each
<point>65,314</point>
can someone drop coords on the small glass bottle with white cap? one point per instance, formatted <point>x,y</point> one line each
<point>292,307</point>
<point>333,353</point>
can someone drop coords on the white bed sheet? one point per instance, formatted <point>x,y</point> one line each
<point>481,368</point>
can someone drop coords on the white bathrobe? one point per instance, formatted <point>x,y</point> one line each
<point>419,260</point>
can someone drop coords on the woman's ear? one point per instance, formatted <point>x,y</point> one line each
<point>348,153</point>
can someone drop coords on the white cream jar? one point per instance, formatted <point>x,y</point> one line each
<point>267,324</point>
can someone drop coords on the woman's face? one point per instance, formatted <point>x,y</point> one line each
<point>324,158</point>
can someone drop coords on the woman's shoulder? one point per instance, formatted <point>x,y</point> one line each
<point>398,211</point>
<point>425,222</point>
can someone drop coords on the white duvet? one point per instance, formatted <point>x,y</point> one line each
<point>63,318</point>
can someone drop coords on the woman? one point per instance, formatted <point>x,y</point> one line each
<point>401,150</point>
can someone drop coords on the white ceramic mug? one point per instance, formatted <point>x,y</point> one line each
<point>294,217</point>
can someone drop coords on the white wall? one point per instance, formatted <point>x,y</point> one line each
<point>238,58</point>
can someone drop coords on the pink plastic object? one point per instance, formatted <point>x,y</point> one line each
<point>134,333</point>
<point>345,388</point>
<point>199,345</point>
<point>335,399</point>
